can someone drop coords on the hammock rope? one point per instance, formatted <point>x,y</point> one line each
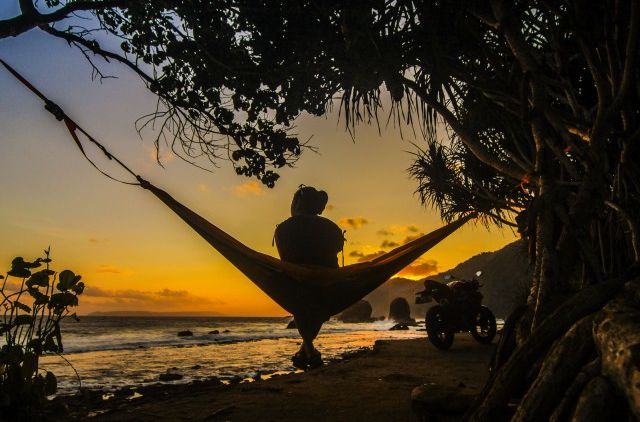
<point>303,290</point>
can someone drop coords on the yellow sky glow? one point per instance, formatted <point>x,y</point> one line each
<point>134,253</point>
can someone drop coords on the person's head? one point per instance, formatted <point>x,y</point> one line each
<point>308,201</point>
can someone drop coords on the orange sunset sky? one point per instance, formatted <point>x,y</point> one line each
<point>132,252</point>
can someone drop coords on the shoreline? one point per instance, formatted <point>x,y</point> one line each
<point>372,384</point>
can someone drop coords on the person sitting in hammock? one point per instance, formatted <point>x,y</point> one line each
<point>307,238</point>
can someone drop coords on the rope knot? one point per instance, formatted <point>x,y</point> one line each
<point>54,109</point>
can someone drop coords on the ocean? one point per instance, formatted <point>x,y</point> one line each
<point>112,352</point>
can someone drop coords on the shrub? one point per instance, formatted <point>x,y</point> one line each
<point>33,305</point>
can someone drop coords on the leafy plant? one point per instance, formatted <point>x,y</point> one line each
<point>30,327</point>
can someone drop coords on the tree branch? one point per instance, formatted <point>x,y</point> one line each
<point>467,138</point>
<point>31,17</point>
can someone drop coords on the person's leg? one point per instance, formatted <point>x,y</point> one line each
<point>308,329</point>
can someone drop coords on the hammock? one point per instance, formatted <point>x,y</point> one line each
<point>308,289</point>
<point>302,290</point>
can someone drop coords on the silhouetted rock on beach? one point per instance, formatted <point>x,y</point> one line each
<point>400,312</point>
<point>214,332</point>
<point>170,376</point>
<point>399,327</point>
<point>185,333</point>
<point>358,312</point>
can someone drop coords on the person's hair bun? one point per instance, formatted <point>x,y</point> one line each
<point>309,200</point>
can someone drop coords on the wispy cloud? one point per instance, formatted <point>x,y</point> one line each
<point>368,257</point>
<point>162,155</point>
<point>389,244</point>
<point>353,222</point>
<point>112,269</point>
<point>420,269</point>
<point>395,229</point>
<point>96,241</point>
<point>142,298</point>
<point>411,238</point>
<point>249,188</point>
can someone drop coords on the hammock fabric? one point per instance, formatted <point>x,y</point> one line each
<point>306,289</point>
<point>302,290</point>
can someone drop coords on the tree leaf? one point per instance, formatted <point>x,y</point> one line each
<point>66,280</point>
<point>39,297</point>
<point>23,320</point>
<point>62,300</point>
<point>29,365</point>
<point>78,288</point>
<point>41,279</point>
<point>21,306</point>
<point>50,384</point>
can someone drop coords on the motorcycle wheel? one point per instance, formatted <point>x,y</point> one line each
<point>440,335</point>
<point>484,329</point>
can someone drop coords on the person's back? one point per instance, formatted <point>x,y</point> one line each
<point>309,239</point>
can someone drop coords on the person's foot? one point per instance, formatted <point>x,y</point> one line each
<point>315,360</point>
<point>299,360</point>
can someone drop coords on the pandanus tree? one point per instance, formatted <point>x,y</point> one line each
<point>530,117</point>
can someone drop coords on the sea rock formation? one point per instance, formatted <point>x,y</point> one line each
<point>358,312</point>
<point>185,333</point>
<point>400,312</point>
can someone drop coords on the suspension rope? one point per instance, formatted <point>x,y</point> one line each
<point>73,128</point>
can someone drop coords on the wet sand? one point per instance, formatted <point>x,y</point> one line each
<point>372,386</point>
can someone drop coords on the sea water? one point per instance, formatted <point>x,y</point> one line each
<point>110,352</point>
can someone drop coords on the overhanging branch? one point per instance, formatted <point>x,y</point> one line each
<point>31,17</point>
<point>467,138</point>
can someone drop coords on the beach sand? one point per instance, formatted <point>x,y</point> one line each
<point>372,386</point>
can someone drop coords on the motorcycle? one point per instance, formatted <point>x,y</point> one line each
<point>459,309</point>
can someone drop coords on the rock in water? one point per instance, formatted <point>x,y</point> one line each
<point>170,376</point>
<point>185,333</point>
<point>214,332</point>
<point>400,311</point>
<point>358,312</point>
<point>399,327</point>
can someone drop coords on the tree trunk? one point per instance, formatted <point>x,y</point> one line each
<point>617,338</point>
<point>564,361</point>
<point>568,403</point>
<point>599,402</point>
<point>495,397</point>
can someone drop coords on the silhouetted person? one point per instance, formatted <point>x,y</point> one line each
<point>307,238</point>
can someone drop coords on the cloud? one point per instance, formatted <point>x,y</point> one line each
<point>389,244</point>
<point>142,298</point>
<point>250,188</point>
<point>95,241</point>
<point>411,238</point>
<point>355,254</point>
<point>164,155</point>
<point>353,222</point>
<point>420,269</point>
<point>111,269</point>
<point>370,256</point>
<point>202,187</point>
<point>397,229</point>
